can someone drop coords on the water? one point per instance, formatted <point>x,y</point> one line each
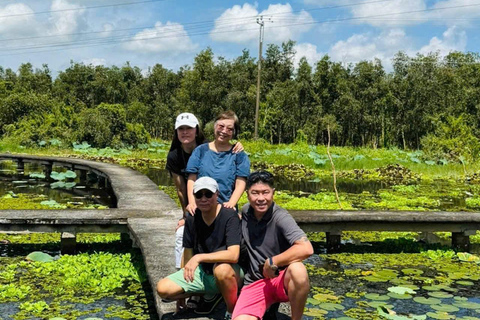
<point>86,189</point>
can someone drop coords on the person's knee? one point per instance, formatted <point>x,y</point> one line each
<point>297,273</point>
<point>224,272</point>
<point>163,288</point>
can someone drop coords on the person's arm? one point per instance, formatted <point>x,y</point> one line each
<point>299,251</point>
<point>187,256</point>
<point>181,187</point>
<point>238,147</point>
<point>228,256</point>
<point>240,184</point>
<point>191,199</point>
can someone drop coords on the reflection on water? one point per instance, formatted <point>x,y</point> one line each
<point>86,189</point>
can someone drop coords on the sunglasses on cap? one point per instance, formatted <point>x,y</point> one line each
<point>207,193</point>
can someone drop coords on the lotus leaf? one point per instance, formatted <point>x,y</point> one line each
<point>458,298</point>
<point>399,296</point>
<point>315,312</point>
<point>52,203</point>
<point>376,296</point>
<point>468,318</point>
<point>432,288</point>
<point>38,256</point>
<point>70,174</point>
<point>440,294</point>
<point>376,304</point>
<point>323,297</point>
<point>465,283</point>
<point>57,318</point>
<point>401,290</point>
<point>412,271</point>
<point>313,301</point>
<point>19,182</point>
<point>58,184</point>
<point>375,279</point>
<point>444,307</point>
<point>465,256</point>
<point>424,300</point>
<point>37,175</point>
<point>345,318</point>
<point>387,273</point>
<point>467,304</point>
<point>331,306</point>
<point>70,185</point>
<point>93,318</point>
<point>440,315</point>
<point>59,176</point>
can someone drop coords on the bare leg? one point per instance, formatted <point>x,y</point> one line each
<point>167,289</point>
<point>245,317</point>
<point>227,282</point>
<point>297,285</point>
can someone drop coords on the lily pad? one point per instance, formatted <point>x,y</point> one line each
<point>444,307</point>
<point>412,271</point>
<point>401,290</point>
<point>323,297</point>
<point>331,306</point>
<point>399,296</point>
<point>376,296</point>
<point>424,300</point>
<point>71,175</point>
<point>313,301</point>
<point>467,304</point>
<point>38,256</point>
<point>376,304</point>
<point>315,313</point>
<point>465,283</point>
<point>392,315</point>
<point>440,294</point>
<point>465,256</point>
<point>458,298</point>
<point>440,315</point>
<point>468,318</point>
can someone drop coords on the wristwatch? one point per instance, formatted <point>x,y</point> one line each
<point>274,267</point>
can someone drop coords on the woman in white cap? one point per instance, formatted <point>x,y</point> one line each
<point>186,138</point>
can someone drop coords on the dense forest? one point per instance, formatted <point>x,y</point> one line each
<point>426,101</point>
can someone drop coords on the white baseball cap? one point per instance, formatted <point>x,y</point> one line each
<point>205,183</point>
<point>186,119</point>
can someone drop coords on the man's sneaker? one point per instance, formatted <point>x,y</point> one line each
<point>227,317</point>
<point>206,306</point>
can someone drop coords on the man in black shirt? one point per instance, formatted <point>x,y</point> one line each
<point>212,247</point>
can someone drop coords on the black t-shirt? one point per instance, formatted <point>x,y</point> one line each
<point>222,233</point>
<point>177,160</point>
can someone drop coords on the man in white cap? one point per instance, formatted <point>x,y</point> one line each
<point>212,248</point>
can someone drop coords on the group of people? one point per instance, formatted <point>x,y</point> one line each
<point>258,250</point>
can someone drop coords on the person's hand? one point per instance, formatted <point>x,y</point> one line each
<point>180,223</point>
<point>229,204</point>
<point>191,207</point>
<point>268,272</point>
<point>189,270</point>
<point>238,147</point>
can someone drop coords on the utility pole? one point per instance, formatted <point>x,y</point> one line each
<point>262,24</point>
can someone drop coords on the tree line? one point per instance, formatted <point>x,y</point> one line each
<point>425,99</point>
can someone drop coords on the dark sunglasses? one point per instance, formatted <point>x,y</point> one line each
<point>207,193</point>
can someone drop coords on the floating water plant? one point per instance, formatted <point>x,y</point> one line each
<point>38,256</point>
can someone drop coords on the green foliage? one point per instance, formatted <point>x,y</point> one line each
<point>452,140</point>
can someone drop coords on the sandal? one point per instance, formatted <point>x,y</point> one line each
<point>192,302</point>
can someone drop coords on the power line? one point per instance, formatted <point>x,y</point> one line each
<point>106,41</point>
<point>81,8</point>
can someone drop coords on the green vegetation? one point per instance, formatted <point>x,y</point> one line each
<point>426,101</point>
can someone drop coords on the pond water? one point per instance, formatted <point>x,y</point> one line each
<point>83,189</point>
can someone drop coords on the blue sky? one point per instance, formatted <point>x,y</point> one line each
<point>172,32</point>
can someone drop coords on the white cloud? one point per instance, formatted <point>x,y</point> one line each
<point>367,47</point>
<point>308,51</point>
<point>95,61</point>
<point>454,39</point>
<point>16,20</point>
<point>107,29</point>
<point>238,24</point>
<point>385,45</point>
<point>65,18</point>
<point>170,37</point>
<point>385,13</point>
<point>466,10</point>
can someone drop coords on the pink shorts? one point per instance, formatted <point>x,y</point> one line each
<point>257,297</point>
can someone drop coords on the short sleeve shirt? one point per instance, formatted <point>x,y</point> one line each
<point>221,234</point>
<point>177,160</point>
<point>276,232</point>
<point>223,166</point>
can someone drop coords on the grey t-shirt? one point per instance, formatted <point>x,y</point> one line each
<point>276,232</point>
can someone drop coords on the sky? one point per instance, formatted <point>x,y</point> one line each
<point>173,32</point>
